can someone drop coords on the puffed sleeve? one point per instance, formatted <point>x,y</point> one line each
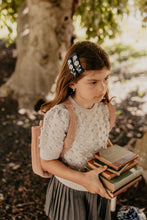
<point>53,132</point>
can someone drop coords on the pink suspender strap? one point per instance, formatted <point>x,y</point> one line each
<point>112,115</point>
<point>72,127</point>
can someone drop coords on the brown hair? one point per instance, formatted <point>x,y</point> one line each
<point>91,56</point>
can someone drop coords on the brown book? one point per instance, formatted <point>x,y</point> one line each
<point>116,156</point>
<point>108,173</point>
<point>124,188</point>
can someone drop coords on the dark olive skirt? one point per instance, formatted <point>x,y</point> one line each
<point>64,203</point>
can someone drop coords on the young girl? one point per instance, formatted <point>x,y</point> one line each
<point>73,192</point>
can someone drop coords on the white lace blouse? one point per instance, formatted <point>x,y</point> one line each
<point>92,131</point>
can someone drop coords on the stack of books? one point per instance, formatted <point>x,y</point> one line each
<point>122,171</point>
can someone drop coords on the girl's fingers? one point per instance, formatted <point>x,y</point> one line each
<point>103,192</point>
<point>101,169</point>
<point>102,189</point>
<point>94,177</point>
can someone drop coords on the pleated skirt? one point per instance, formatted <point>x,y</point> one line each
<point>64,203</point>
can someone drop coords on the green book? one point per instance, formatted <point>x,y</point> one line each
<point>123,188</point>
<point>119,181</point>
<point>99,163</point>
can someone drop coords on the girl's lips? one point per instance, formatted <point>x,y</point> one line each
<point>100,96</point>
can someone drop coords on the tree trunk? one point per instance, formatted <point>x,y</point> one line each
<point>45,31</point>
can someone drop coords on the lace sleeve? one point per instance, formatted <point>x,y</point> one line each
<point>53,132</point>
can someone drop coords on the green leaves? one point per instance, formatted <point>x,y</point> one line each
<point>142,6</point>
<point>101,18</point>
<point>8,15</point>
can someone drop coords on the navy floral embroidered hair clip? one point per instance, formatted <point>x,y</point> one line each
<point>74,65</point>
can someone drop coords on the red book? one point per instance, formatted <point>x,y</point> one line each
<point>109,172</point>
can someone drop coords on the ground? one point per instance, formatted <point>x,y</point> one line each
<point>22,193</point>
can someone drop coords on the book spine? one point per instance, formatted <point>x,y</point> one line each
<point>108,175</point>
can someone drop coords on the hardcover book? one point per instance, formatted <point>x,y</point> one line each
<point>119,181</point>
<point>110,172</point>
<point>116,156</point>
<point>124,188</point>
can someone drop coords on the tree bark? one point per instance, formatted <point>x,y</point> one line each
<point>45,31</point>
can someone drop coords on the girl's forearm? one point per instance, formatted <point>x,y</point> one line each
<point>57,168</point>
<point>89,180</point>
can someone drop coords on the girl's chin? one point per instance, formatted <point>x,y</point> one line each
<point>98,98</point>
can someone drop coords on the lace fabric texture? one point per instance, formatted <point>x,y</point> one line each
<point>92,131</point>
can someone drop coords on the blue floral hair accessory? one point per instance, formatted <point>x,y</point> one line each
<point>74,65</point>
<point>130,213</point>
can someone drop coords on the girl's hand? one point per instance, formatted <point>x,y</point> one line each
<point>93,184</point>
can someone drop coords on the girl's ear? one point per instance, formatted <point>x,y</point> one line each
<point>72,86</point>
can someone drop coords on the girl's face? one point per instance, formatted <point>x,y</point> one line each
<point>91,88</point>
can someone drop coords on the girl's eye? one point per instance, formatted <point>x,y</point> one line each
<point>93,83</point>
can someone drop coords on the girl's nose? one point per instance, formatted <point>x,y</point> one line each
<point>102,85</point>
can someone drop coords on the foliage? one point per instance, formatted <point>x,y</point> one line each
<point>127,60</point>
<point>11,7</point>
<point>102,17</point>
<point>142,6</point>
<point>8,14</point>
<point>125,51</point>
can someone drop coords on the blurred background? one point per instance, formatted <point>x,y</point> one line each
<point>34,37</point>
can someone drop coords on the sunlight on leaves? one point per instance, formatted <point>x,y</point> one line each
<point>118,112</point>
